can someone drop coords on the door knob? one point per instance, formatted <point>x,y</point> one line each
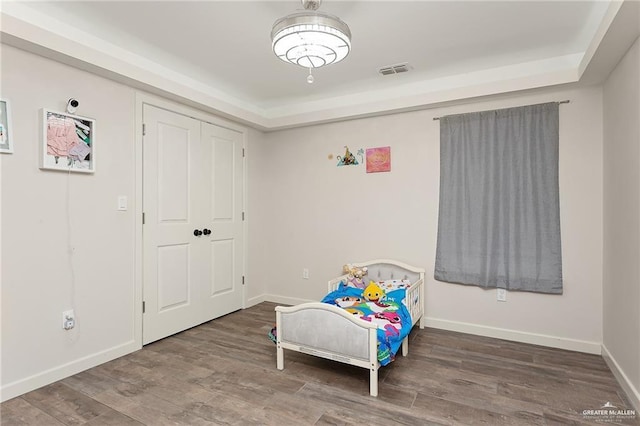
<point>197,232</point>
<point>206,231</point>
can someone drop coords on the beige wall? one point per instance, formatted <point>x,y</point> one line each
<point>320,216</point>
<point>621,295</point>
<point>47,214</point>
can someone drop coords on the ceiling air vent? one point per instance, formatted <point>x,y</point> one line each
<point>395,69</point>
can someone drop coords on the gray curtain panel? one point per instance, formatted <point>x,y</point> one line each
<point>499,213</point>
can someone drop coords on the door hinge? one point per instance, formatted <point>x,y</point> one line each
<point>242,215</point>
<point>143,218</point>
<point>143,307</point>
<point>243,280</point>
<point>144,129</point>
<point>242,152</point>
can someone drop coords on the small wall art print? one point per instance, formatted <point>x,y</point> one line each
<point>349,159</point>
<point>68,142</point>
<point>6,127</point>
<point>379,159</point>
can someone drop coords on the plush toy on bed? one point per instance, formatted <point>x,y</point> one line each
<point>354,275</point>
<point>373,293</point>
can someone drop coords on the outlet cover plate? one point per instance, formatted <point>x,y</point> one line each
<point>68,320</point>
<point>502,295</point>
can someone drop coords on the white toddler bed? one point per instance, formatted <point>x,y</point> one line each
<point>328,331</point>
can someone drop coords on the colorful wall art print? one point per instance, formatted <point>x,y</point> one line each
<point>6,141</point>
<point>379,159</point>
<point>68,142</point>
<point>349,159</point>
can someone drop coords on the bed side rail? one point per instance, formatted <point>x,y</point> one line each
<point>414,300</point>
<point>335,282</point>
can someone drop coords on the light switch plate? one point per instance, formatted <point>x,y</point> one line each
<point>122,202</point>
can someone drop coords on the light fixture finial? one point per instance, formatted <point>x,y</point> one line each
<point>311,4</point>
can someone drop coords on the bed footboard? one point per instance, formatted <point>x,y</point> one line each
<point>329,332</point>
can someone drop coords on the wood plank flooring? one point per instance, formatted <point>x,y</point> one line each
<point>224,373</point>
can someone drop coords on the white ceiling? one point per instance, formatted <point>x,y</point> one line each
<point>222,50</point>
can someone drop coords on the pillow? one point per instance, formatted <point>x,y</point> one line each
<point>390,285</point>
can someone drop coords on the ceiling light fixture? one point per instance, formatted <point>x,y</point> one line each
<point>311,39</point>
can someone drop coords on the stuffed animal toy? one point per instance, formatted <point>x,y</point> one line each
<point>355,275</point>
<point>373,293</point>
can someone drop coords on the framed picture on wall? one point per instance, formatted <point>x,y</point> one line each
<point>68,142</point>
<point>6,140</point>
<point>379,159</point>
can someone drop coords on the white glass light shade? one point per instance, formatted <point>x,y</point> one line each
<point>311,39</point>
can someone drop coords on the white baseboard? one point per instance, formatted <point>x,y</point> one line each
<point>254,301</point>
<point>22,386</point>
<point>632,393</point>
<point>285,300</point>
<point>516,336</point>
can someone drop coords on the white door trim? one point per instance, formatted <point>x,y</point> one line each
<point>142,98</point>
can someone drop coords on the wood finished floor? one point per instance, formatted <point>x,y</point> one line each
<point>224,372</point>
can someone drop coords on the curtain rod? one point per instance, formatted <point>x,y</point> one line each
<point>559,102</point>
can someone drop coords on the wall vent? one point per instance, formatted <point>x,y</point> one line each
<point>395,69</point>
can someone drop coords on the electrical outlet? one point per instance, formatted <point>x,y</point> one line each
<point>68,320</point>
<point>305,273</point>
<point>502,295</point>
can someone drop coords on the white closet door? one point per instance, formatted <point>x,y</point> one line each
<point>223,152</point>
<point>192,185</point>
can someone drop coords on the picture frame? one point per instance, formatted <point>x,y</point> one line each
<point>6,127</point>
<point>68,142</point>
<point>379,159</point>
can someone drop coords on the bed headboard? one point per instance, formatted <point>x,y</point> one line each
<point>380,270</point>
